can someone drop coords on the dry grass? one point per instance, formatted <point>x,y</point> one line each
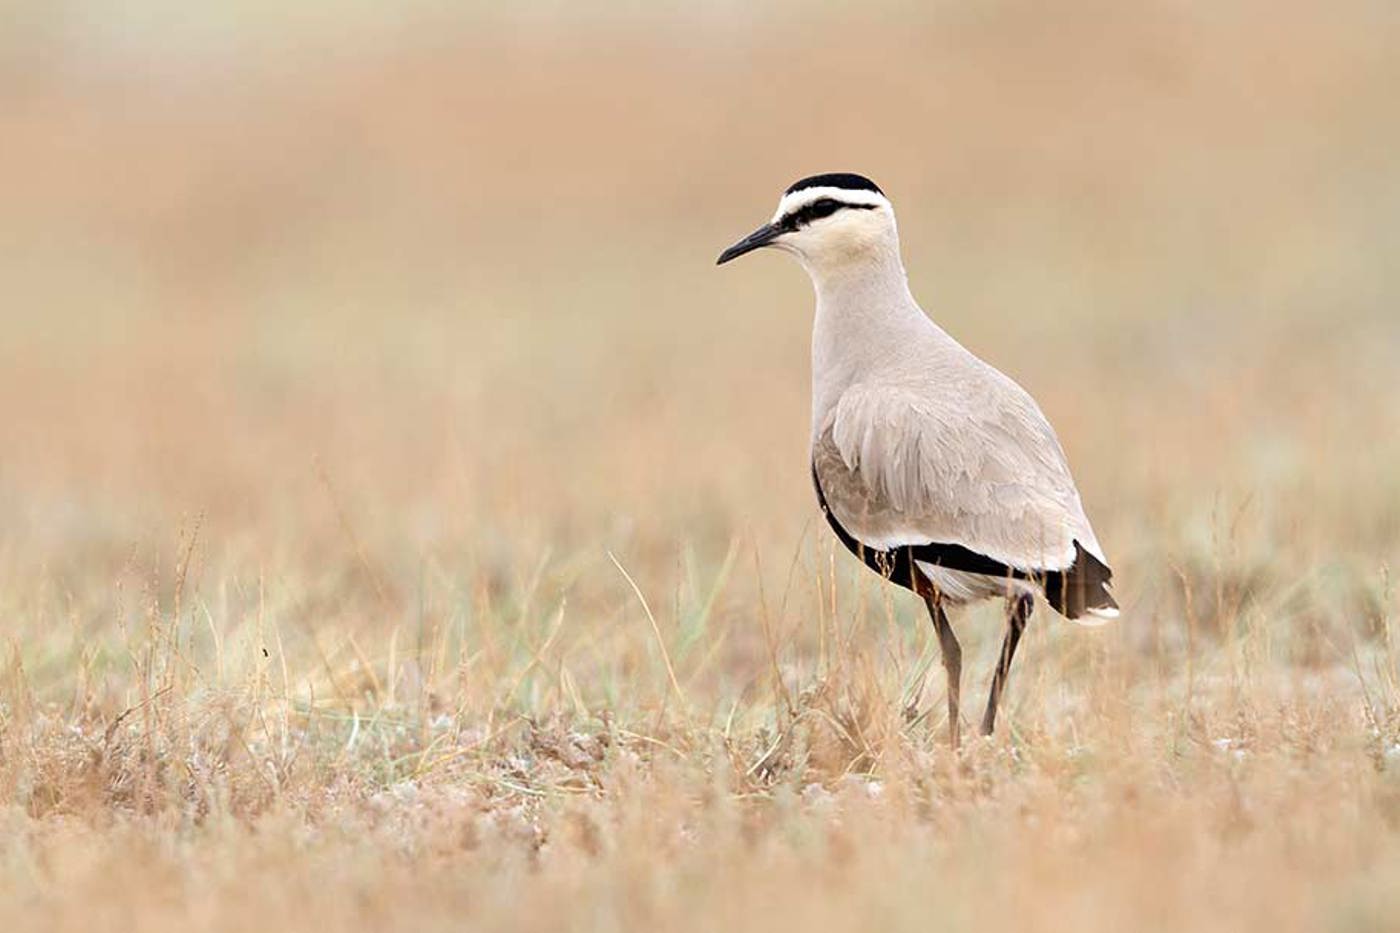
<point>402,525</point>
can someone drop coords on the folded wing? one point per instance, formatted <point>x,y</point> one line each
<point>983,472</point>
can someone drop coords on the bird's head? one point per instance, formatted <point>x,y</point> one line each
<point>829,222</point>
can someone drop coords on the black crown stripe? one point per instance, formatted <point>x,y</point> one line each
<point>848,180</point>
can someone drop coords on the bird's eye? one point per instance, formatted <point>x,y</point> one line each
<point>810,212</point>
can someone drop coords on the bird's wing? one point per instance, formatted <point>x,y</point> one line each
<point>980,468</point>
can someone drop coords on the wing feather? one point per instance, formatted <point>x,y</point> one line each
<point>983,470</point>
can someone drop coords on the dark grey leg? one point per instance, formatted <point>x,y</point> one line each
<point>952,663</point>
<point>1018,613</point>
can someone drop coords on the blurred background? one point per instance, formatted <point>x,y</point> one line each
<point>356,319</point>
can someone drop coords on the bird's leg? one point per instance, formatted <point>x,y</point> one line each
<point>1018,612</point>
<point>952,662</point>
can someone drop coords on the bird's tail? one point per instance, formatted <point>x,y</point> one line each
<point>1081,593</point>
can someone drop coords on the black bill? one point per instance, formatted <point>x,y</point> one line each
<point>761,237</point>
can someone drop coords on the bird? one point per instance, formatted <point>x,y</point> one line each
<point>934,468</point>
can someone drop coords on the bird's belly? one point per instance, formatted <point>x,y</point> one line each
<point>959,586</point>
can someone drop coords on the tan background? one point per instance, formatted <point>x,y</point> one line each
<point>364,337</point>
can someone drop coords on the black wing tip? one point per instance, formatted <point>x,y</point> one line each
<point>1083,588</point>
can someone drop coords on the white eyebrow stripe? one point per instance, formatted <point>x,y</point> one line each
<point>800,199</point>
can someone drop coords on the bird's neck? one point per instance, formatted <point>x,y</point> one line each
<point>841,268</point>
<point>865,317</point>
